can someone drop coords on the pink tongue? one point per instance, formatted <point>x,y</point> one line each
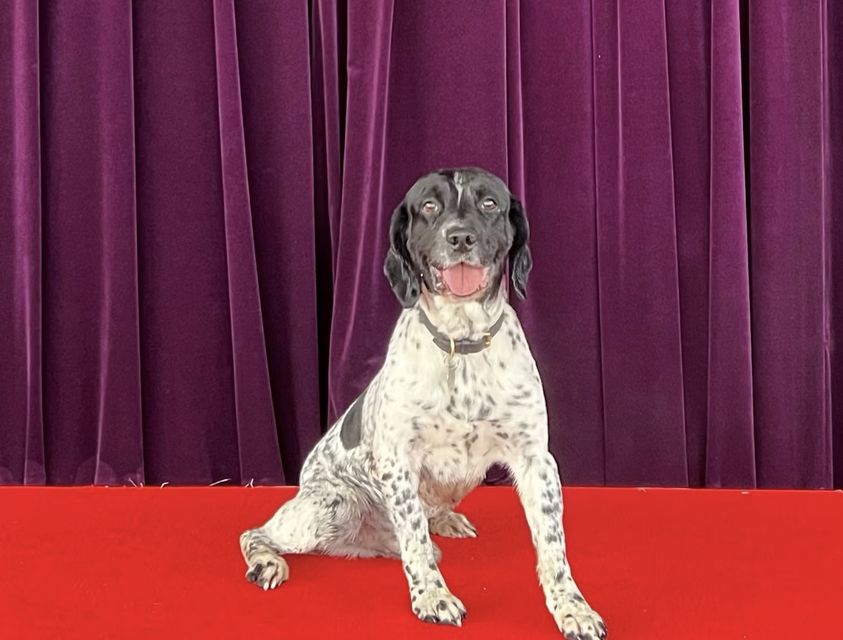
<point>464,279</point>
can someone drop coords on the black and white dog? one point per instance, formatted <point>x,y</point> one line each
<point>459,391</point>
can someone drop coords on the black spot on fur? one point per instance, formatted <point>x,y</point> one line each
<point>352,424</point>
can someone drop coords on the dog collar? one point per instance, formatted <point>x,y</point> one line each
<point>462,346</point>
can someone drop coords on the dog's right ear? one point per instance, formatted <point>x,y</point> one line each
<point>398,267</point>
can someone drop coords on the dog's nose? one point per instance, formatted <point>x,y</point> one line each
<point>462,239</point>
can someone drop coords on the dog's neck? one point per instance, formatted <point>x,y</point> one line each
<point>462,320</point>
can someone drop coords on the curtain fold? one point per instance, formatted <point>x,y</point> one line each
<point>729,451</point>
<point>272,43</point>
<point>194,200</point>
<point>638,284</point>
<point>560,201</point>
<point>327,86</point>
<point>90,314</point>
<point>352,362</point>
<point>190,421</point>
<point>789,245</point>
<point>833,155</point>
<point>22,456</point>
<point>689,38</point>
<point>257,441</point>
<point>515,159</point>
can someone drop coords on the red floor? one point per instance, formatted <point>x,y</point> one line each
<point>164,563</point>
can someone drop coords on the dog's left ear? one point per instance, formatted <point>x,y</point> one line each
<point>520,260</point>
<point>398,267</point>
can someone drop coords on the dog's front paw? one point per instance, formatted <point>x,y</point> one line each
<point>267,570</point>
<point>577,620</point>
<point>439,606</point>
<point>452,525</point>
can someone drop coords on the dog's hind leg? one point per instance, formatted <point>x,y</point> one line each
<point>375,538</point>
<point>370,540</point>
<point>310,522</point>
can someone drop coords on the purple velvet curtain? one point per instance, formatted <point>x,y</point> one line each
<point>194,199</point>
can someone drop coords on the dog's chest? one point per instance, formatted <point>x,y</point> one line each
<point>466,411</point>
<point>470,426</point>
<point>454,451</point>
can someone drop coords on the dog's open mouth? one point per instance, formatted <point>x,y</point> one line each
<point>461,279</point>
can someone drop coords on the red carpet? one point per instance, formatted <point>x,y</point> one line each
<point>164,563</point>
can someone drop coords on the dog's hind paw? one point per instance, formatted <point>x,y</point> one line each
<point>452,525</point>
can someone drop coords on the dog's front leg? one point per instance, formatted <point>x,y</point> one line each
<point>537,479</point>
<point>430,598</point>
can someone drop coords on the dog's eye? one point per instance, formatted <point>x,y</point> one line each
<point>489,205</point>
<point>430,207</point>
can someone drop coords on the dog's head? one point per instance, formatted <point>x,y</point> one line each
<point>453,234</point>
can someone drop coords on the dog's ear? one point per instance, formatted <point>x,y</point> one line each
<point>398,267</point>
<point>520,260</point>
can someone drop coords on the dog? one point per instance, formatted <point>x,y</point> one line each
<point>458,392</point>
